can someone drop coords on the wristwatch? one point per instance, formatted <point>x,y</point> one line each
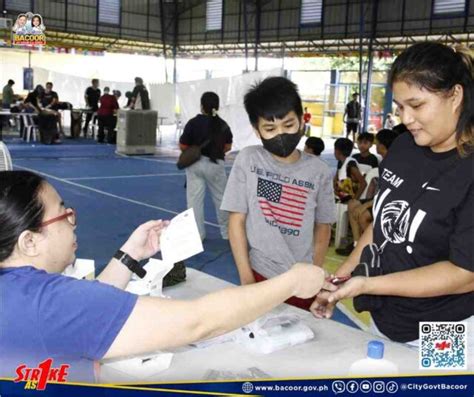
<point>131,263</point>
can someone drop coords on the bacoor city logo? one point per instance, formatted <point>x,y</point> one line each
<point>38,378</point>
<point>28,29</point>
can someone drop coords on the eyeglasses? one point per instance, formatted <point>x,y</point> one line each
<point>70,215</point>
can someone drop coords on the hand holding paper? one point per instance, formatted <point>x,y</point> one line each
<point>181,240</point>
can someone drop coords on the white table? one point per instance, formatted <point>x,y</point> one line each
<point>331,352</point>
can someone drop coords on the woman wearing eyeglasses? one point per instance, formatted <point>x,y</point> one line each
<point>77,322</point>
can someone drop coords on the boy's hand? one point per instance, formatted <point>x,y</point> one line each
<point>144,242</point>
<point>321,308</point>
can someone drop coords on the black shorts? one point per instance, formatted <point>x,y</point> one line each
<point>352,127</point>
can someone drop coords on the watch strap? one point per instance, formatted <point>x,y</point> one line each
<point>132,264</point>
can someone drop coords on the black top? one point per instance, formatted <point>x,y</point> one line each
<point>93,96</point>
<point>439,227</point>
<point>48,98</point>
<point>371,160</point>
<point>353,109</point>
<point>34,99</point>
<point>197,131</point>
<point>144,97</point>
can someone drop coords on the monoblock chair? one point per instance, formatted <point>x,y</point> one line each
<point>31,129</point>
<point>5,158</point>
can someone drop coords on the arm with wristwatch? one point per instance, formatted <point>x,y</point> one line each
<point>142,244</point>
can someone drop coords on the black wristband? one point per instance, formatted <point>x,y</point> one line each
<point>131,263</point>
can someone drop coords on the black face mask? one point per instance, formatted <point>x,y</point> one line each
<point>282,145</point>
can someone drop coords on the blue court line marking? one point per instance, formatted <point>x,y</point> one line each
<point>145,159</point>
<point>123,176</point>
<point>106,193</point>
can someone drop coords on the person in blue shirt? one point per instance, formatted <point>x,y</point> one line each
<point>78,322</point>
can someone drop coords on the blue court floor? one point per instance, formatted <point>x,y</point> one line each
<point>113,194</point>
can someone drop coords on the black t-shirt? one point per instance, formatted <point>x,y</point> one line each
<point>369,160</point>
<point>144,97</point>
<point>353,110</point>
<point>34,99</point>
<point>93,96</point>
<point>197,131</point>
<point>439,227</point>
<point>48,97</point>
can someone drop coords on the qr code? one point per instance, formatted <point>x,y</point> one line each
<point>443,345</point>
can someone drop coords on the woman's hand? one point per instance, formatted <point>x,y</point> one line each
<point>144,242</point>
<point>323,305</point>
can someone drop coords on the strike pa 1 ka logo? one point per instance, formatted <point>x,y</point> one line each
<point>38,378</point>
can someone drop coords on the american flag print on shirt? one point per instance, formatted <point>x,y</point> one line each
<point>282,202</point>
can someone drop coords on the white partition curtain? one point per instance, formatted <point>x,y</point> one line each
<point>231,91</point>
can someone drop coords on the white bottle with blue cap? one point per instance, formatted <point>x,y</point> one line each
<point>374,363</point>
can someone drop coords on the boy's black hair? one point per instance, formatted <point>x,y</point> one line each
<point>315,144</point>
<point>386,137</point>
<point>272,98</point>
<point>365,136</point>
<point>344,145</point>
<point>400,129</point>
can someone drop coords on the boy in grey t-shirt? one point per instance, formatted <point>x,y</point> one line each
<point>281,200</point>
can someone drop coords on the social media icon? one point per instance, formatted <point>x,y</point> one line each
<point>365,386</point>
<point>379,387</point>
<point>352,387</point>
<point>338,386</point>
<point>392,387</point>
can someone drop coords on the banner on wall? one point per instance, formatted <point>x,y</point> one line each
<point>28,79</point>
<point>28,29</point>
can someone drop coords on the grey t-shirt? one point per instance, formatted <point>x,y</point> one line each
<point>282,203</point>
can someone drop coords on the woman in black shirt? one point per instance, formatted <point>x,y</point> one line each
<point>423,225</point>
<point>213,134</point>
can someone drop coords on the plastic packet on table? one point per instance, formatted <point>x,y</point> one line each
<point>248,373</point>
<point>274,332</point>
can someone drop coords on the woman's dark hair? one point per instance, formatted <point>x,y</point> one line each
<point>273,98</point>
<point>20,207</point>
<point>210,106</point>
<point>344,145</point>
<point>38,17</point>
<point>315,144</point>
<point>438,68</point>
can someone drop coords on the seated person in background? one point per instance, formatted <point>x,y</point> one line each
<point>105,114</point>
<point>360,211</point>
<point>314,146</point>
<point>364,143</point>
<point>389,122</point>
<point>47,118</point>
<point>280,199</point>
<point>84,321</point>
<point>50,100</point>
<point>349,183</point>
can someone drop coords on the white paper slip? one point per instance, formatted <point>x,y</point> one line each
<point>181,239</point>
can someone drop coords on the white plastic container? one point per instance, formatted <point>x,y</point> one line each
<point>374,363</point>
